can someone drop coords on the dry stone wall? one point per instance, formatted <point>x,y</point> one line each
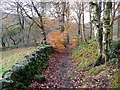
<point>23,72</point>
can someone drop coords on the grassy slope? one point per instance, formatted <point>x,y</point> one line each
<point>85,55</point>
<point>10,57</point>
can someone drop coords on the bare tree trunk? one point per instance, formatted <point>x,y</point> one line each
<point>61,10</point>
<point>29,30</point>
<point>63,16</point>
<point>21,23</point>
<point>78,10</point>
<point>83,29</point>
<point>14,42</point>
<point>106,29</point>
<point>8,43</point>
<point>2,41</point>
<point>79,25</point>
<point>41,22</point>
<point>68,19</point>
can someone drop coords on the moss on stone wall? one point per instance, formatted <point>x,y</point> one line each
<point>23,72</point>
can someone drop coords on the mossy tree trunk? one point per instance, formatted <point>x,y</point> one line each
<point>91,29</point>
<point>102,34</point>
<point>95,17</point>
<point>106,29</point>
<point>118,31</point>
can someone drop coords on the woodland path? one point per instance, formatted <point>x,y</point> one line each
<point>59,74</point>
<point>62,73</point>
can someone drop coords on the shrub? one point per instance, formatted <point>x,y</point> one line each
<point>57,40</point>
<point>114,45</point>
<point>40,78</point>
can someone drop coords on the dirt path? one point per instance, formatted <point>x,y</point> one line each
<point>62,73</point>
<point>59,72</point>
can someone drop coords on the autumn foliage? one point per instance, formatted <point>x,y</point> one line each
<point>57,40</point>
<point>74,41</point>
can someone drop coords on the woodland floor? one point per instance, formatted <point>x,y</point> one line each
<point>62,73</point>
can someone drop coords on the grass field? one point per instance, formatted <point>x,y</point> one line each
<point>10,57</point>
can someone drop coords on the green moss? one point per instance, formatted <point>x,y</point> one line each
<point>77,56</point>
<point>20,86</point>
<point>40,78</point>
<point>87,79</point>
<point>96,70</point>
<point>116,87</point>
<point>114,80</point>
<point>85,54</point>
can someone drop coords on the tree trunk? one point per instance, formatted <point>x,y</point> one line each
<point>83,29</point>
<point>95,11</point>
<point>14,42</point>
<point>63,16</point>
<point>21,20</point>
<point>8,43</point>
<point>41,23</point>
<point>90,36</point>
<point>79,29</point>
<point>106,29</point>
<point>3,43</point>
<point>118,31</point>
<point>68,19</point>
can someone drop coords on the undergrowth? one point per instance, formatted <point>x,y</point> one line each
<point>85,54</point>
<point>96,70</point>
<point>114,80</point>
